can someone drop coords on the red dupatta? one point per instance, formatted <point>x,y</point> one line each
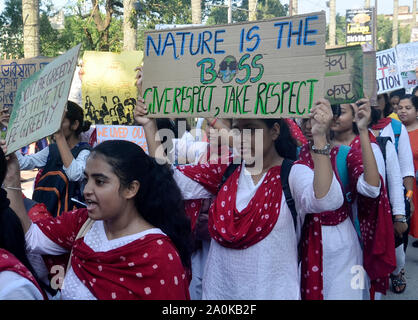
<point>147,268</point>
<point>375,217</point>
<point>382,123</point>
<point>311,237</point>
<point>8,262</point>
<point>230,228</point>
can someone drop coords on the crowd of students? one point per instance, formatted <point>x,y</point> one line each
<point>325,216</point>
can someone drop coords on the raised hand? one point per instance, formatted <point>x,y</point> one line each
<point>140,110</point>
<point>321,117</point>
<point>362,113</point>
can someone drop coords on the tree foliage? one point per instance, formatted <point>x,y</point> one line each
<point>98,24</point>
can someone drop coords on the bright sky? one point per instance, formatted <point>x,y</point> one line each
<point>305,6</point>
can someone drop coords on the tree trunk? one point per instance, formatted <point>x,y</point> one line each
<point>196,11</point>
<point>395,23</point>
<point>252,10</point>
<point>30,14</point>
<point>129,26</point>
<point>332,23</point>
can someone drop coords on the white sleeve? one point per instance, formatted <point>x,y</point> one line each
<point>189,188</point>
<point>75,171</point>
<point>381,166</point>
<point>38,243</point>
<point>406,160</point>
<point>366,189</point>
<point>15,287</point>
<point>394,180</point>
<point>32,161</point>
<point>301,186</point>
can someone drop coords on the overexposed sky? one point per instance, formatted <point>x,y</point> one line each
<point>305,6</point>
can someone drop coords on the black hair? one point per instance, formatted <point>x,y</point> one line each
<point>388,107</point>
<point>159,200</point>
<point>415,101</point>
<point>415,90</point>
<point>413,98</point>
<point>375,115</point>
<point>75,112</point>
<point>285,144</point>
<point>397,93</point>
<point>12,236</point>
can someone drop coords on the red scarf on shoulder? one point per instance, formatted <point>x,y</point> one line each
<point>8,262</point>
<point>382,123</point>
<point>147,268</point>
<point>230,228</point>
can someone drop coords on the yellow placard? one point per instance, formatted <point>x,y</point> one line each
<point>108,86</point>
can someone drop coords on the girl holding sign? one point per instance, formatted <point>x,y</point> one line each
<point>133,239</point>
<point>62,163</point>
<point>253,252</point>
<point>357,161</point>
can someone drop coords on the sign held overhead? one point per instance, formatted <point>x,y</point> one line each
<point>263,69</point>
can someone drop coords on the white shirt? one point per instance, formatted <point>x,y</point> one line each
<point>72,288</point>
<point>391,174</point>
<point>269,268</point>
<point>406,161</point>
<point>75,172</point>
<point>15,287</point>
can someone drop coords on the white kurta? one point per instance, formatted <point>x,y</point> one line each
<point>269,268</point>
<point>96,239</point>
<point>15,287</point>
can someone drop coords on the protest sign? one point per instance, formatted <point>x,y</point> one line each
<point>388,75</point>
<point>408,61</point>
<point>12,73</point>
<point>359,26</point>
<point>40,102</point>
<point>135,134</point>
<point>264,69</point>
<point>344,74</point>
<point>108,87</point>
<point>369,76</point>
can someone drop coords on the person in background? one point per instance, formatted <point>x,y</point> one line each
<point>346,132</point>
<point>394,102</point>
<point>387,127</point>
<point>68,157</point>
<point>408,114</point>
<point>18,280</point>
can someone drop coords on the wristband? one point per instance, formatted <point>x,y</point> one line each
<point>403,220</point>
<point>409,194</point>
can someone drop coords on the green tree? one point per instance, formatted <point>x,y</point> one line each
<point>340,30</point>
<point>11,29</point>
<point>216,11</point>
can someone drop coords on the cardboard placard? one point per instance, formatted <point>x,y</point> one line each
<point>108,86</point>
<point>344,74</point>
<point>408,61</point>
<point>369,76</point>
<point>12,73</point>
<point>264,69</point>
<point>135,134</point>
<point>388,74</point>
<point>40,102</point>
